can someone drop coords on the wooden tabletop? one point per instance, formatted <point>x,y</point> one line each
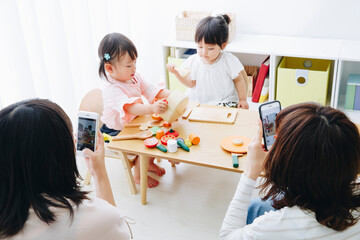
<point>209,152</point>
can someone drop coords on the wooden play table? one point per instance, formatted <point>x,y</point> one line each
<point>207,154</point>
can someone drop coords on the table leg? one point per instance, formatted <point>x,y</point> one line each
<point>127,167</point>
<point>144,164</point>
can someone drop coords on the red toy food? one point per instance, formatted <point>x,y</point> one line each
<point>165,138</point>
<point>151,142</point>
<point>172,132</point>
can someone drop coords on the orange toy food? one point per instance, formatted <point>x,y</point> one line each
<point>159,133</point>
<point>194,139</point>
<point>166,124</point>
<point>156,117</point>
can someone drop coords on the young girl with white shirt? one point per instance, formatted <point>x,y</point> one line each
<point>310,176</point>
<point>124,90</point>
<point>216,77</point>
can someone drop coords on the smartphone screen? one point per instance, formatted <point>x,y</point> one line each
<point>86,133</point>
<point>268,112</point>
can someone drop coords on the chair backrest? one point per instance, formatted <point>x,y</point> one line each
<point>93,102</point>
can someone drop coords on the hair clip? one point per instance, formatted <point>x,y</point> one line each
<point>107,56</point>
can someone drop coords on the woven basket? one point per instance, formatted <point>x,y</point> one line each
<point>188,20</point>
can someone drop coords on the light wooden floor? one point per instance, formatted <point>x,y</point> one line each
<point>190,202</point>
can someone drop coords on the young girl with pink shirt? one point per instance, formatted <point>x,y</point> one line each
<point>123,92</point>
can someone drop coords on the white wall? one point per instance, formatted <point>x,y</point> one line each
<point>153,21</point>
<point>48,49</point>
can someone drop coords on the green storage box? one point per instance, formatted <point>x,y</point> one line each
<point>352,83</point>
<point>302,80</point>
<point>174,83</point>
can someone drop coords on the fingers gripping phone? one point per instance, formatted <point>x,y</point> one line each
<point>88,125</point>
<point>268,112</point>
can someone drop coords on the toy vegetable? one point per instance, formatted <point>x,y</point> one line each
<point>172,132</point>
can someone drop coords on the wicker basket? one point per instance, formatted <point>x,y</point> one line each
<point>186,24</point>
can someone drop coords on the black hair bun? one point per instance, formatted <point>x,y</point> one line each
<point>226,18</point>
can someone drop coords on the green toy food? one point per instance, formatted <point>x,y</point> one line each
<point>182,145</point>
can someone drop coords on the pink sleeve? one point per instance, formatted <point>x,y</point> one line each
<point>114,115</point>
<point>148,89</point>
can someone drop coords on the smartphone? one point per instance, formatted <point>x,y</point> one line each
<point>268,112</point>
<point>88,125</point>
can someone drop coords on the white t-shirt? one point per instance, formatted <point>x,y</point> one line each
<point>93,219</point>
<point>214,82</point>
<point>287,223</point>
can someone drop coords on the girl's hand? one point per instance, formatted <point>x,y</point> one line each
<point>95,161</point>
<point>243,104</point>
<point>171,68</point>
<point>159,107</point>
<point>256,155</point>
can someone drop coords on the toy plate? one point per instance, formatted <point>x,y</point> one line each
<point>227,144</point>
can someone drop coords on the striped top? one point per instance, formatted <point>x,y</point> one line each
<point>286,223</point>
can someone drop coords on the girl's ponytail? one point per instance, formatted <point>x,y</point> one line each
<point>102,69</point>
<point>226,18</point>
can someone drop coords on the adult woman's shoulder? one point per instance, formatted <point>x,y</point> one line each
<point>103,219</point>
<point>101,207</point>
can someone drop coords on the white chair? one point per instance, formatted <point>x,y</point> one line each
<point>93,102</point>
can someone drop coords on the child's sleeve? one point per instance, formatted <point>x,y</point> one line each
<point>234,66</point>
<point>148,90</point>
<point>114,115</point>
<point>190,64</point>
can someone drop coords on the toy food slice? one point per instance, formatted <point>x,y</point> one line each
<point>151,142</point>
<point>156,117</point>
<point>165,138</point>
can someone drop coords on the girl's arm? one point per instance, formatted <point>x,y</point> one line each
<point>240,86</point>
<point>144,109</point>
<point>95,162</point>
<point>184,80</point>
<point>163,93</point>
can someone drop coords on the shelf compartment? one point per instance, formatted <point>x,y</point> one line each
<point>303,80</point>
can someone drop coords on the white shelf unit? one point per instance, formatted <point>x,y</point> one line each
<point>253,49</point>
<point>349,62</point>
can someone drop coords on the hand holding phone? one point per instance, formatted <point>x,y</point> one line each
<point>95,160</point>
<point>88,127</point>
<point>268,112</point>
<point>255,155</point>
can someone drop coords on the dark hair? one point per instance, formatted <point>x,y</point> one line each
<point>116,45</point>
<point>37,164</point>
<point>214,30</point>
<point>314,163</point>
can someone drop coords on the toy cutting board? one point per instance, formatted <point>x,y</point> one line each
<point>213,115</point>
